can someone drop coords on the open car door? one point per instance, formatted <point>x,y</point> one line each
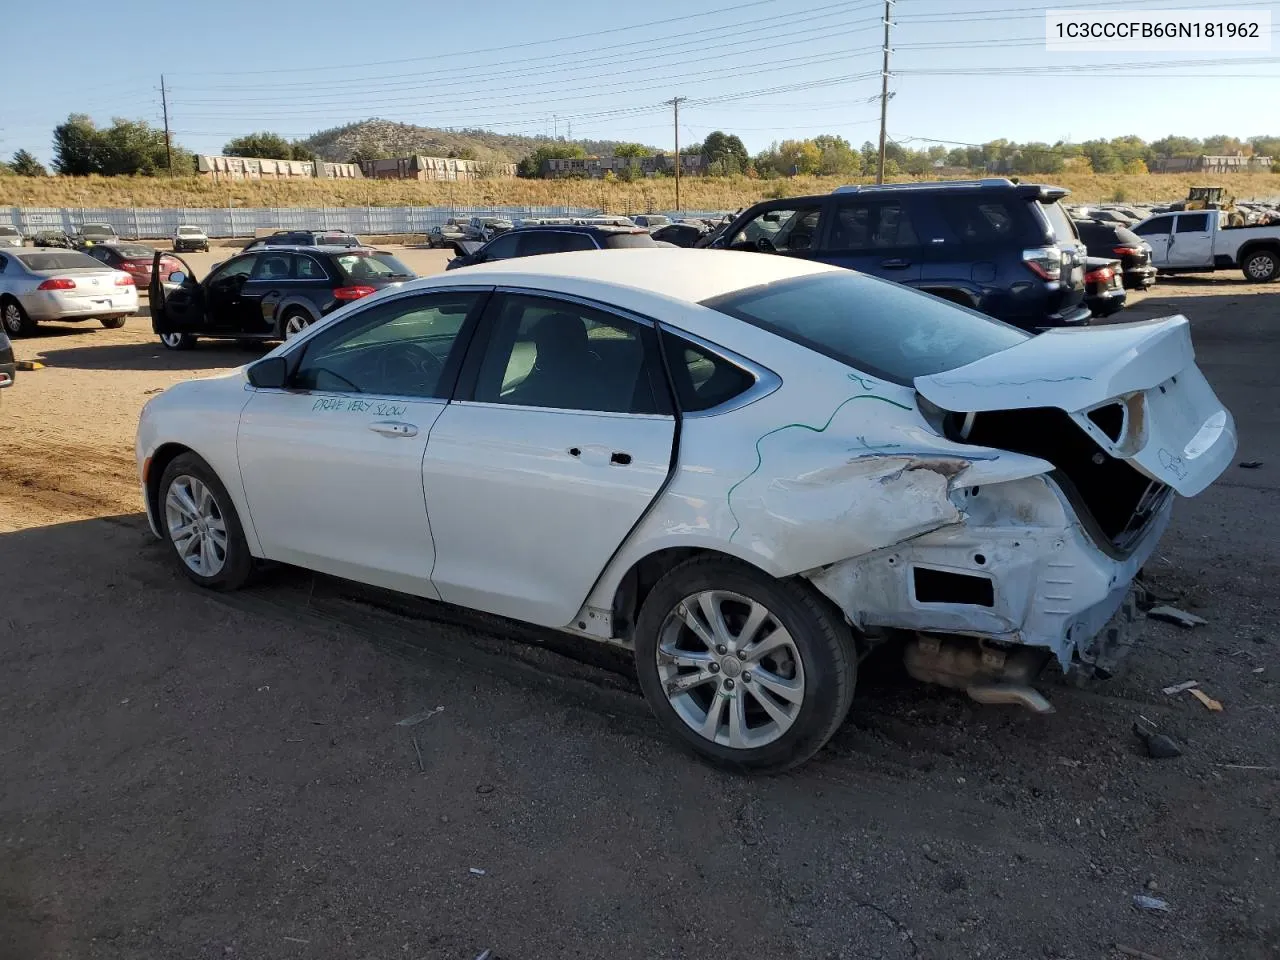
<point>175,307</point>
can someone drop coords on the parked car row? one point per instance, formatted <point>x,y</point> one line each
<point>44,284</point>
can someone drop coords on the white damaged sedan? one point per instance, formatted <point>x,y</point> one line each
<point>750,470</point>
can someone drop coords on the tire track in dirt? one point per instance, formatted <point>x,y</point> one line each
<point>48,480</point>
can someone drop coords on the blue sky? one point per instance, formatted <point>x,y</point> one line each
<point>765,69</point>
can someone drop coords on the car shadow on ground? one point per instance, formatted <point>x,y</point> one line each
<point>154,356</point>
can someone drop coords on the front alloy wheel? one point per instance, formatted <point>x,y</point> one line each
<point>294,324</point>
<point>196,526</point>
<point>730,669</point>
<point>1262,267</point>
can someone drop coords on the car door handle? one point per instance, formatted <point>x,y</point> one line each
<point>895,264</point>
<point>394,428</point>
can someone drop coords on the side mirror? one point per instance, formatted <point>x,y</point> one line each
<point>178,277</point>
<point>269,374</point>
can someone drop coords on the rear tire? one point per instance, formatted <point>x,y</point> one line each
<point>201,526</point>
<point>112,323</point>
<point>293,323</point>
<point>178,341</point>
<point>15,319</point>
<point>1261,266</point>
<point>768,701</point>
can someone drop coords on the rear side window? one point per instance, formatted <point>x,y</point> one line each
<point>979,219</point>
<point>1157,227</point>
<point>861,225</point>
<point>1193,223</point>
<point>306,268</point>
<point>702,379</point>
<point>503,247</point>
<point>882,328</point>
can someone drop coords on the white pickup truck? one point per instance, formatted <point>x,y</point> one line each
<point>1194,241</point>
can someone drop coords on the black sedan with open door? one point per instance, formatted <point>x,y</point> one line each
<point>266,294</point>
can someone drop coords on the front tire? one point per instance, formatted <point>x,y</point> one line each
<point>15,319</point>
<point>754,674</point>
<point>1262,266</point>
<point>112,323</point>
<point>201,525</point>
<point>178,341</point>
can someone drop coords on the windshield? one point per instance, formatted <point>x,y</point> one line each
<point>879,327</point>
<point>373,266</point>
<point>9,232</point>
<point>622,241</point>
<point>59,260</point>
<point>98,230</point>
<point>189,231</point>
<point>337,240</point>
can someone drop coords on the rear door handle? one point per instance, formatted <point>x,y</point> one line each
<point>394,428</point>
<point>895,264</point>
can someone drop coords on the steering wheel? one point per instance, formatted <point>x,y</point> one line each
<point>765,245</point>
<point>412,360</point>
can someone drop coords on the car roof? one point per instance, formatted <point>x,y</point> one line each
<point>671,273</point>
<point>578,228</point>
<point>314,248</point>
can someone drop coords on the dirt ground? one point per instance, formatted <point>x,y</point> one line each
<point>205,776</point>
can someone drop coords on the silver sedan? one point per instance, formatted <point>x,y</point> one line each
<point>40,284</point>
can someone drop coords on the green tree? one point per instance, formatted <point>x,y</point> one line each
<point>1223,145</point>
<point>531,166</point>
<point>798,156</point>
<point>75,146</point>
<point>1172,146</point>
<point>837,156</point>
<point>299,151</point>
<point>24,164</point>
<point>632,151</point>
<point>725,153</point>
<point>1266,146</point>
<point>263,145</point>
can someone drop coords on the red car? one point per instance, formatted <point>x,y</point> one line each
<point>134,259</point>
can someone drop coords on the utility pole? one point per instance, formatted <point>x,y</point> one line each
<point>675,103</point>
<point>884,90</point>
<point>164,103</point>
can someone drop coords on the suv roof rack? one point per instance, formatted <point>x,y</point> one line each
<point>926,185</point>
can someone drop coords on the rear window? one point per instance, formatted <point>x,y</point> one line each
<point>97,230</point>
<point>58,260</point>
<point>337,239</point>
<point>189,231</point>
<point>134,250</point>
<point>627,241</point>
<point>373,266</point>
<point>1126,236</point>
<point>879,327</point>
<point>1063,229</point>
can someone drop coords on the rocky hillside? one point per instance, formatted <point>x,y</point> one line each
<point>386,138</point>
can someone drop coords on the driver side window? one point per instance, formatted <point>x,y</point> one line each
<point>781,230</point>
<point>395,349</point>
<point>238,268</point>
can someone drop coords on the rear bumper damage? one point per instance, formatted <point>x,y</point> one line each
<point>1017,583</point>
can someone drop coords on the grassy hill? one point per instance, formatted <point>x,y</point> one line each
<point>696,193</point>
<point>391,139</point>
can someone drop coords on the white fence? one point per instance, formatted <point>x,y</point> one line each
<point>157,222</point>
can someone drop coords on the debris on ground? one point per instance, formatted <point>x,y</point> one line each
<point>419,717</point>
<point>1132,952</point>
<point>418,750</point>
<point>1179,687</point>
<point>147,393</point>
<point>1244,766</point>
<point>1251,464</point>
<point>28,364</point>
<point>484,788</point>
<point>484,954</point>
<point>476,871</point>
<point>1174,615</point>
<point>1207,700</point>
<point>1144,902</point>
<point>1258,669</point>
<point>1159,746</point>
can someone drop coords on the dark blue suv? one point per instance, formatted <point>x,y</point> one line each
<point>1007,249</point>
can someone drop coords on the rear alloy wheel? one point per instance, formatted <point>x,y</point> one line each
<point>293,323</point>
<point>16,321</point>
<point>112,323</point>
<point>753,673</point>
<point>201,525</point>
<point>1262,266</point>
<point>178,341</point>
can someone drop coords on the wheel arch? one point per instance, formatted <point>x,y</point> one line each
<point>955,295</point>
<point>1250,247</point>
<point>293,302</point>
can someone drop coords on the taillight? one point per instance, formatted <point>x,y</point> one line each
<point>1126,251</point>
<point>352,293</point>
<point>1044,262</point>
<point>58,283</point>
<point>124,280</point>
<point>1101,275</point>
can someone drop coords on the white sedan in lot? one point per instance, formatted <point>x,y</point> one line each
<point>750,470</point>
<point>38,284</point>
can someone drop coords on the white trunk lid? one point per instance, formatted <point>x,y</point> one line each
<point>1171,425</point>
